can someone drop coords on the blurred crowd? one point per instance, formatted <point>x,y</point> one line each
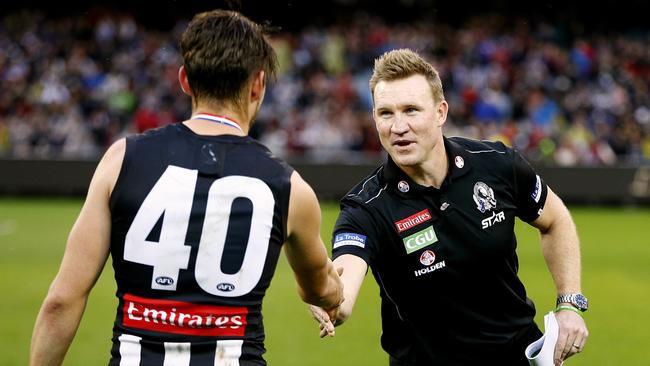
<point>69,87</point>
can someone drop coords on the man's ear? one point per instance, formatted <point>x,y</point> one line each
<point>443,108</point>
<point>182,79</point>
<point>259,86</point>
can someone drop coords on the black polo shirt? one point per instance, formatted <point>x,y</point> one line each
<point>445,258</point>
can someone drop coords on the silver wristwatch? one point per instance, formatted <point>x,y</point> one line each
<point>578,300</point>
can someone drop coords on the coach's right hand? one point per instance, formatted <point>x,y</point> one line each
<point>324,321</point>
<point>326,318</point>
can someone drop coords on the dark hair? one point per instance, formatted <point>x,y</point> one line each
<point>222,50</point>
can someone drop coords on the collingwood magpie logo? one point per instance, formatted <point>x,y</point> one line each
<point>403,186</point>
<point>484,197</point>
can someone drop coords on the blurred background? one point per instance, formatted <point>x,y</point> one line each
<point>565,82</point>
<point>558,81</point>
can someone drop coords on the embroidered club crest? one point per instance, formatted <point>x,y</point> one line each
<point>484,197</point>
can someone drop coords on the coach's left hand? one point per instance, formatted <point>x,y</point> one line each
<point>572,335</point>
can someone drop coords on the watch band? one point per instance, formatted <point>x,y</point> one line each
<point>578,300</point>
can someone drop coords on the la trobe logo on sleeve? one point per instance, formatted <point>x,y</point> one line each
<point>349,239</point>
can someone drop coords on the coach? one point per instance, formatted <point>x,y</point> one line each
<point>435,223</point>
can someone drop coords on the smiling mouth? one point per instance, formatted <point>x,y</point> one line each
<point>402,143</point>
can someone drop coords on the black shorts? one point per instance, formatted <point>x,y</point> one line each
<point>513,357</point>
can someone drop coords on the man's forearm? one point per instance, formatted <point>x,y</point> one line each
<point>352,276</point>
<point>561,250</point>
<point>55,328</point>
<point>324,290</point>
<point>334,294</point>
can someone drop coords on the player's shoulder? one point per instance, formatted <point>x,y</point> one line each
<point>110,165</point>
<point>116,150</point>
<point>263,152</point>
<point>155,133</point>
<point>152,142</point>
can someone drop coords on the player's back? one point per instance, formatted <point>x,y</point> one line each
<point>197,228</point>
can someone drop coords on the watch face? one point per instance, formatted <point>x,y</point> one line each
<point>581,301</point>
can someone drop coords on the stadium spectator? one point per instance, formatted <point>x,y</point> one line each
<point>435,223</point>
<point>196,221</point>
<point>532,76</point>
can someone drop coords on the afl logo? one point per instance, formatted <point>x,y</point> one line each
<point>164,281</point>
<point>225,287</point>
<point>403,186</point>
<point>427,258</point>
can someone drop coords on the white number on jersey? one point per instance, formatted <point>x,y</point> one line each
<point>172,197</point>
<point>213,238</point>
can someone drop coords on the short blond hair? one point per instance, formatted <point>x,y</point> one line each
<point>402,63</point>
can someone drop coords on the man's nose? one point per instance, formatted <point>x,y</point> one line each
<point>400,125</point>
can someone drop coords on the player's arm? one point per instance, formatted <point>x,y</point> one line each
<point>318,282</point>
<point>561,250</point>
<point>84,258</point>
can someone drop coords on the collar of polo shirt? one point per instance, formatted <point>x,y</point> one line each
<point>392,174</point>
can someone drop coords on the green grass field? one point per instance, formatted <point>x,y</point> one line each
<point>616,277</point>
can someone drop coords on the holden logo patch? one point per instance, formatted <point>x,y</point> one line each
<point>403,186</point>
<point>459,161</point>
<point>484,197</point>
<point>427,258</point>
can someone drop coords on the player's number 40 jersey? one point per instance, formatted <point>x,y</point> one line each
<point>171,254</point>
<point>197,228</point>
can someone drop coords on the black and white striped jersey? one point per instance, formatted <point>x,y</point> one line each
<point>197,227</point>
<point>131,350</point>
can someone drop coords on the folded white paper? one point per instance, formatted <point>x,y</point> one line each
<point>540,352</point>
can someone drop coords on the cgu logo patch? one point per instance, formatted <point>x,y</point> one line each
<point>420,240</point>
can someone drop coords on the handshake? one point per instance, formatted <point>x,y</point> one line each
<point>348,283</point>
<point>329,317</point>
